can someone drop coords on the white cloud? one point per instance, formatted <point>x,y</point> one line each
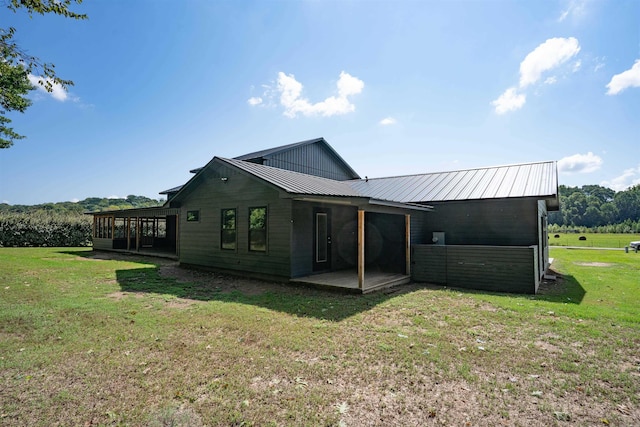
<point>628,178</point>
<point>291,97</point>
<point>547,56</point>
<point>510,100</point>
<point>626,79</point>
<point>57,91</point>
<point>577,65</point>
<point>580,163</point>
<point>387,121</point>
<point>574,8</point>
<point>255,100</point>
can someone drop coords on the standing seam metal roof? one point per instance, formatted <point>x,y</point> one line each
<point>295,182</point>
<point>513,181</point>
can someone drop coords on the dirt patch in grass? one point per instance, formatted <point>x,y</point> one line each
<point>594,264</point>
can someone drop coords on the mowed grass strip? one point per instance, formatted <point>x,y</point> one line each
<point>91,341</point>
<point>593,240</point>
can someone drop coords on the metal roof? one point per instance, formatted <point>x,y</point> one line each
<point>171,190</point>
<point>513,181</point>
<point>295,182</point>
<point>274,150</point>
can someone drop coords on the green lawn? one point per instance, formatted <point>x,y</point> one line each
<point>91,341</point>
<point>593,240</point>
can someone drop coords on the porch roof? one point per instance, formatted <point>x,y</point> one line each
<point>141,212</point>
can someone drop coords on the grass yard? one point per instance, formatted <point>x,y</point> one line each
<point>594,240</point>
<point>93,339</point>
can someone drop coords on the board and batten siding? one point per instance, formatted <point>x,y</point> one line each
<point>492,268</point>
<point>200,240</point>
<point>512,222</point>
<point>310,159</point>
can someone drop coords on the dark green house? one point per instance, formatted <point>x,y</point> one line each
<point>300,213</point>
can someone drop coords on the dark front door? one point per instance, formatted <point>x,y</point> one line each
<point>321,239</point>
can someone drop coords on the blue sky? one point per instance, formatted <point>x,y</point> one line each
<point>396,87</point>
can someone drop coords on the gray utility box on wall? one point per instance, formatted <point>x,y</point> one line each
<point>438,238</point>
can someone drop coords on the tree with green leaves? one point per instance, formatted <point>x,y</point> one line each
<point>17,66</point>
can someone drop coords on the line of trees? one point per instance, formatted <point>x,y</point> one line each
<point>90,204</point>
<point>59,224</point>
<point>597,207</point>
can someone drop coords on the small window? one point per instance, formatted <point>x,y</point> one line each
<point>193,216</point>
<point>258,229</point>
<point>228,232</point>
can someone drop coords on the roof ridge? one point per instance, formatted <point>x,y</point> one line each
<point>286,171</point>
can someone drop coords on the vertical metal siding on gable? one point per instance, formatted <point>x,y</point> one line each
<point>309,159</point>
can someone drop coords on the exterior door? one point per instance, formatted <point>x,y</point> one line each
<point>321,239</point>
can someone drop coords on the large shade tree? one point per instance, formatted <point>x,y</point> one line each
<point>16,66</point>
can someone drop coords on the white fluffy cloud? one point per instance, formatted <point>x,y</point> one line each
<point>547,56</point>
<point>624,80</point>
<point>387,121</point>
<point>57,92</point>
<point>294,103</point>
<point>580,163</point>
<point>287,92</point>
<point>628,178</point>
<point>510,100</point>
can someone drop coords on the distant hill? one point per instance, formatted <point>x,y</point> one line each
<point>90,204</point>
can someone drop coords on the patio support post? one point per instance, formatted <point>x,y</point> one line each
<point>407,239</point>
<point>360,248</point>
<point>137,234</point>
<point>128,226</point>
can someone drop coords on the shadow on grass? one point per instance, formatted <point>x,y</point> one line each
<point>204,285</point>
<point>293,299</point>
<point>566,289</point>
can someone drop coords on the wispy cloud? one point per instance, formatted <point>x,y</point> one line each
<point>388,121</point>
<point>624,80</point>
<point>510,100</point>
<point>580,163</point>
<point>57,91</point>
<point>547,56</point>
<point>575,8</point>
<point>628,178</point>
<point>289,94</point>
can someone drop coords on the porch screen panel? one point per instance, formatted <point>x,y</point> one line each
<point>322,235</point>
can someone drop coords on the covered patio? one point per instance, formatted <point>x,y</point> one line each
<point>148,231</point>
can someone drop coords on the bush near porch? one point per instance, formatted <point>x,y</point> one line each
<point>44,229</point>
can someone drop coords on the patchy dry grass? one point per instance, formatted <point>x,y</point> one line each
<point>135,341</point>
